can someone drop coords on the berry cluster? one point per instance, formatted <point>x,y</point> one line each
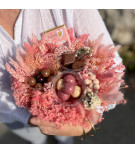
<point>91,82</point>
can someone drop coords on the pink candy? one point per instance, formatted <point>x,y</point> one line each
<point>63,96</point>
<point>69,78</point>
<point>68,88</point>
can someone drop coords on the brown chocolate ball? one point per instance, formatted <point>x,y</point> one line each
<point>38,86</point>
<point>52,72</point>
<point>50,78</point>
<point>77,65</point>
<point>46,72</point>
<point>40,78</point>
<point>32,81</point>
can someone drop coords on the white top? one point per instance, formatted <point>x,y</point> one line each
<point>36,22</point>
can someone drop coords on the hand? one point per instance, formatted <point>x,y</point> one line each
<point>48,128</point>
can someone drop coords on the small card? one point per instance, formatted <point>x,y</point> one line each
<point>58,35</point>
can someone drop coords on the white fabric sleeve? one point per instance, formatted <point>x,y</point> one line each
<point>90,22</point>
<point>9,112</point>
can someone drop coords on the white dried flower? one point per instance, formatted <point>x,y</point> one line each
<point>95,101</point>
<point>86,48</point>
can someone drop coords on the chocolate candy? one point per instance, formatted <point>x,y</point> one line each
<point>50,78</point>
<point>46,72</point>
<point>40,78</point>
<point>59,84</point>
<point>76,92</point>
<point>77,65</point>
<point>52,71</point>
<point>69,78</point>
<point>38,86</point>
<point>68,59</point>
<point>32,81</point>
<point>68,88</point>
<point>63,96</point>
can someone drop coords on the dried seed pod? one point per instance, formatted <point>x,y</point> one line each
<point>91,86</point>
<point>90,73</point>
<point>93,77</point>
<point>85,75</point>
<point>87,81</point>
<point>96,81</point>
<point>96,86</point>
<point>90,81</point>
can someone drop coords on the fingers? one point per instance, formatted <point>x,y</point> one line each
<point>63,131</point>
<point>66,130</point>
<point>37,122</point>
<point>48,128</point>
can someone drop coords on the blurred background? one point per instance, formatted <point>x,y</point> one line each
<point>118,126</point>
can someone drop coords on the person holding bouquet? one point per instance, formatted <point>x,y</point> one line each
<point>17,26</point>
